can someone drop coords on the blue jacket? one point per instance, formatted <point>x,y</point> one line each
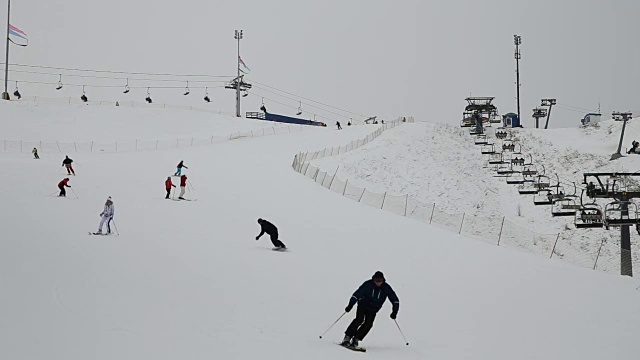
<point>371,297</point>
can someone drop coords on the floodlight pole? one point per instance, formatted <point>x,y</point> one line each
<point>625,116</point>
<point>5,94</point>
<point>238,36</point>
<point>517,40</point>
<point>549,103</point>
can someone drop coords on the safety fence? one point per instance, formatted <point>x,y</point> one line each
<point>567,246</point>
<point>135,104</point>
<point>139,145</point>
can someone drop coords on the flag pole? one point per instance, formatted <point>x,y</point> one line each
<point>5,94</point>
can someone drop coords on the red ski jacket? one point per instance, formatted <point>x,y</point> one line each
<point>168,184</point>
<point>64,182</point>
<point>183,180</point>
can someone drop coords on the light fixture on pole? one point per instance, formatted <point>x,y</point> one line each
<point>238,36</point>
<point>517,40</point>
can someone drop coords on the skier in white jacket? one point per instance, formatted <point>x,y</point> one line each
<point>107,216</point>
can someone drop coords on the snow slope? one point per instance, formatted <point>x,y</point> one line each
<point>435,163</point>
<point>187,279</point>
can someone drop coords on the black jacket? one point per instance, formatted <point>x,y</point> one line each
<point>267,227</point>
<point>66,161</point>
<point>371,297</point>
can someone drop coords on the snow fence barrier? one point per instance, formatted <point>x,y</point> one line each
<point>138,145</point>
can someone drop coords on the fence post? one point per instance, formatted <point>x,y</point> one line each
<point>315,176</point>
<point>597,256</point>
<point>461,223</point>
<point>383,198</point>
<point>554,249</point>
<point>345,187</point>
<point>334,177</point>
<point>500,234</point>
<point>406,203</point>
<point>211,140</point>
<point>361,195</point>
<point>432,211</point>
<point>306,171</point>
<point>91,146</point>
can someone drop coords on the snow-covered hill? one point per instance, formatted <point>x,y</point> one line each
<point>187,279</point>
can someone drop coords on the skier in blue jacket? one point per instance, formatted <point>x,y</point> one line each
<point>370,296</point>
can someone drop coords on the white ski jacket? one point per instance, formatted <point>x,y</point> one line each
<point>108,210</point>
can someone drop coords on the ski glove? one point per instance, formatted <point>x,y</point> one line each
<point>394,314</point>
<point>348,308</point>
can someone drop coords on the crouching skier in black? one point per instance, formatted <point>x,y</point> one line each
<point>370,296</point>
<point>272,230</point>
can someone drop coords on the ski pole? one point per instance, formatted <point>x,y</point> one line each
<point>116,228</point>
<point>190,184</point>
<point>74,193</point>
<point>405,339</point>
<point>335,322</point>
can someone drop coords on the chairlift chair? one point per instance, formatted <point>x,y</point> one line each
<point>126,87</point>
<point>527,188</point>
<point>495,158</point>
<point>515,179</point>
<point>59,83</point>
<point>613,214</point>
<point>542,182</point>
<point>206,95</point>
<point>564,207</point>
<point>148,98</point>
<point>481,139</point>
<point>84,96</point>
<point>504,169</point>
<point>589,216</point>
<point>543,197</point>
<point>16,93</point>
<point>187,91</point>
<point>299,109</point>
<point>487,149</point>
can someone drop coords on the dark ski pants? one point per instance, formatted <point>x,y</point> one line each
<point>63,192</point>
<point>361,325</point>
<point>70,169</point>
<point>276,242</point>
<point>35,156</point>
<point>168,193</point>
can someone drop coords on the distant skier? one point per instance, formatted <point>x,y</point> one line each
<point>107,216</point>
<point>370,296</point>
<point>180,166</point>
<point>168,185</point>
<point>67,163</point>
<point>349,123</point>
<point>272,230</point>
<point>35,153</point>
<point>338,125</point>
<point>183,185</point>
<point>263,108</point>
<point>61,185</point>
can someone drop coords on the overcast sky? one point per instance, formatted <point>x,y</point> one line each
<point>372,57</point>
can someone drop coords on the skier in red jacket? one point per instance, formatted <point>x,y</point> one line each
<point>183,184</point>
<point>168,185</point>
<point>64,182</point>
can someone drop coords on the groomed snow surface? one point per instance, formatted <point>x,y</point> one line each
<point>187,280</point>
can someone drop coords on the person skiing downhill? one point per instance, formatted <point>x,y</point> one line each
<point>35,153</point>
<point>272,230</point>
<point>67,163</point>
<point>107,216</point>
<point>183,185</point>
<point>180,166</point>
<point>338,125</point>
<point>168,185</point>
<point>64,182</point>
<point>370,296</point>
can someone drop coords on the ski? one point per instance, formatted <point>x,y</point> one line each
<point>353,348</point>
<point>96,233</point>
<point>280,249</point>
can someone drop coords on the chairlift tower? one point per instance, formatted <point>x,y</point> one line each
<point>622,196</point>
<point>539,113</point>
<point>5,94</point>
<point>549,103</point>
<point>624,117</point>
<point>517,40</point>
